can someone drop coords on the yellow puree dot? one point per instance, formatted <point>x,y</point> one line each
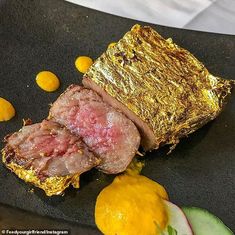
<point>131,205</point>
<point>83,63</point>
<point>7,110</point>
<point>47,81</point>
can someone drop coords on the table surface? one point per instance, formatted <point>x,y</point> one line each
<point>49,35</point>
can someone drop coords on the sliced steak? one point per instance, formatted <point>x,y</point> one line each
<point>49,150</point>
<point>107,132</point>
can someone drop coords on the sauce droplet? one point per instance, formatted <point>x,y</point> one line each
<point>83,63</point>
<point>47,81</point>
<point>7,111</point>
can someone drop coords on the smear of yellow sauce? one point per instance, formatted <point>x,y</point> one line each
<point>132,204</point>
<point>135,167</point>
<point>47,81</point>
<point>83,63</point>
<point>7,111</point>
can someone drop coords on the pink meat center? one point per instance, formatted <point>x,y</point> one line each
<point>95,125</point>
<point>56,145</point>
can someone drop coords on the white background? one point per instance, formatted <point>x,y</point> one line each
<point>206,15</point>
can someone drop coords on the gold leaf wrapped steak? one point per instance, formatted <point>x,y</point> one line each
<point>160,86</point>
<point>48,156</point>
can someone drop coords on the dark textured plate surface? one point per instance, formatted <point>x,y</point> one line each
<point>49,35</point>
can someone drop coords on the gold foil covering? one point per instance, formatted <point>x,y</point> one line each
<point>162,83</point>
<point>52,185</point>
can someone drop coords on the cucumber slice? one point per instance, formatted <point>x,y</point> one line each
<point>205,223</point>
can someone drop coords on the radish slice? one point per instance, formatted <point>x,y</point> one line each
<point>177,223</point>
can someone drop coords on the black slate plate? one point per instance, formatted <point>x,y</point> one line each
<point>49,35</point>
